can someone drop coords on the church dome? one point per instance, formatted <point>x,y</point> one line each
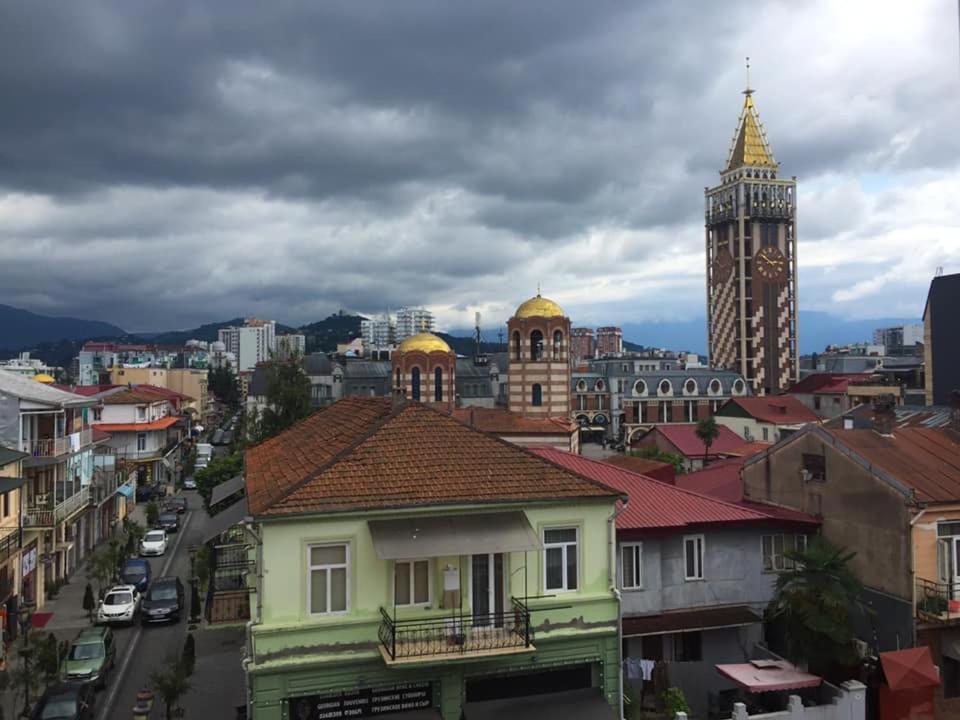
<point>424,342</point>
<point>539,307</point>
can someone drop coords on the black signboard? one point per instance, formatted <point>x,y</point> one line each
<point>362,703</point>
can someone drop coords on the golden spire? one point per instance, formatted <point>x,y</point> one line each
<point>750,146</point>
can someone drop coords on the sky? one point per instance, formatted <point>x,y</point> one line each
<point>168,164</point>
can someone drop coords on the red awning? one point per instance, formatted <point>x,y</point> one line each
<point>909,669</point>
<point>759,676</point>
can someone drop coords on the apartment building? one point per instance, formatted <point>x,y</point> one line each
<point>189,383</point>
<point>411,321</point>
<point>11,538</point>
<point>291,345</point>
<point>609,341</point>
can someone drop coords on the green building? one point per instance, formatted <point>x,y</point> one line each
<point>411,566</point>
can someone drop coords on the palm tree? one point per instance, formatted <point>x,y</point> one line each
<point>816,600</point>
<point>708,431</point>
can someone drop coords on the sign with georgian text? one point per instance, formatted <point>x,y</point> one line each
<point>364,702</point>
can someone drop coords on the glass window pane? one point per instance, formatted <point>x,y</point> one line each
<point>560,535</point>
<point>401,581</point>
<point>627,566</point>
<point>421,581</point>
<point>328,555</point>
<point>571,567</point>
<point>554,568</point>
<point>689,550</point>
<point>338,590</point>
<point>318,591</point>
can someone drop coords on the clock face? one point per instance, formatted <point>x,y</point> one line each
<point>722,266</point>
<point>770,264</point>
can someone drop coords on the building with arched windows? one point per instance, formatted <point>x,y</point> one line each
<point>539,360</point>
<point>423,369</point>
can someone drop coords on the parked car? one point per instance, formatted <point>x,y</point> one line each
<point>175,504</point>
<point>164,601</point>
<point>137,573</point>
<point>66,701</point>
<point>169,521</point>
<point>91,657</point>
<point>153,543</point>
<point>190,484</point>
<point>120,605</point>
<point>146,493</point>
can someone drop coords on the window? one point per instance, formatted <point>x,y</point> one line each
<point>141,412</point>
<point>690,386</point>
<point>516,345</point>
<point>557,344</point>
<point>814,467</point>
<point>775,548</point>
<point>438,385</point>
<point>560,558</point>
<point>766,434</point>
<point>6,504</point>
<point>816,402</point>
<point>536,345</point>
<point>411,582</point>
<point>715,386</point>
<point>687,647</point>
<point>665,387</point>
<point>97,414</point>
<point>631,566</point>
<point>327,589</point>
<point>738,386</point>
<point>141,442</point>
<point>581,386</point>
<point>693,557</point>
<point>537,399</point>
<point>415,384</point>
<point>599,386</point>
<point>639,387</point>
<point>690,410</point>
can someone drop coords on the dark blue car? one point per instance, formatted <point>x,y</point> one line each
<point>136,572</point>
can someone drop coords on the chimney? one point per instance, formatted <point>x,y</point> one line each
<point>884,415</point>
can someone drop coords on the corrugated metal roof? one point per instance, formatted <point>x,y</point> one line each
<point>683,436</point>
<point>778,409</point>
<point>28,389</point>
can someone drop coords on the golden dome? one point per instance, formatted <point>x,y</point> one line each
<point>44,378</point>
<point>424,342</point>
<point>539,307</point>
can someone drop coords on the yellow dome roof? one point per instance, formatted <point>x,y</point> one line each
<point>424,342</point>
<point>44,378</point>
<point>539,307</point>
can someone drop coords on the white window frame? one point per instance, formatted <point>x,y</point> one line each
<point>141,413</point>
<point>141,436</point>
<point>411,562</point>
<point>565,547</point>
<point>335,566</point>
<point>636,557</point>
<point>799,539</point>
<point>698,562</point>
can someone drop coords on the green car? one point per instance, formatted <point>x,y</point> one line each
<point>92,655</point>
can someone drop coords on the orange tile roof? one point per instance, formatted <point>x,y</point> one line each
<point>366,453</point>
<point>161,424</point>
<point>131,396</point>
<point>504,422</point>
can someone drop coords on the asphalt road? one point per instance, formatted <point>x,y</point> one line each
<point>143,650</point>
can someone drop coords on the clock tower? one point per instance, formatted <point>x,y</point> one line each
<point>751,239</point>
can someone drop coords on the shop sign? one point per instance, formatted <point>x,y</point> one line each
<point>29,561</point>
<point>364,702</point>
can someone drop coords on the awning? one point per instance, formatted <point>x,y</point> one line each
<point>223,521</point>
<point>688,620</point>
<point>445,535</point>
<point>10,483</point>
<point>570,705</point>
<point>909,669</point>
<point>759,676</point>
<point>226,489</point>
<point>126,491</point>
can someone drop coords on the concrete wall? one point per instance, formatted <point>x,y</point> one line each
<point>749,428</point>
<point>850,704</point>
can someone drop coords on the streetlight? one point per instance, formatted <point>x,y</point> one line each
<point>25,615</point>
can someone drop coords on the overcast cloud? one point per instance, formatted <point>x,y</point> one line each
<point>163,165</point>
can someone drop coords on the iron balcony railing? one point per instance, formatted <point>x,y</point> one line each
<point>461,634</point>
<point>55,447</point>
<point>34,517</point>
<point>10,543</point>
<point>937,601</point>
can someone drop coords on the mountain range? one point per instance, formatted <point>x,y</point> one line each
<point>22,328</point>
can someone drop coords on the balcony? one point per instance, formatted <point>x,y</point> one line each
<point>9,544</point>
<point>464,635</point>
<point>937,602</point>
<point>47,517</point>
<point>55,447</point>
<point>105,484</point>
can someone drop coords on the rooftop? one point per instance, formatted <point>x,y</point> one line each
<point>684,438</point>
<point>26,388</point>
<point>161,424</point>
<point>827,383</point>
<point>538,307</point>
<point>778,409</point>
<point>504,422</point>
<point>372,453</point>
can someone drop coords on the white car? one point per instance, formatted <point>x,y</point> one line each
<point>189,484</point>
<point>153,543</point>
<point>121,604</point>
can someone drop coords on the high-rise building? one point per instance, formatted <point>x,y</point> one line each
<point>250,344</point>
<point>290,346</point>
<point>941,346</point>
<point>378,333</point>
<point>413,321</point>
<point>581,343</point>
<point>269,329</point>
<point>751,258</point>
<point>609,341</point>
<point>899,337</point>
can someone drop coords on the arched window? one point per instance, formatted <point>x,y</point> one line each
<point>516,344</point>
<point>536,345</point>
<point>599,386</point>
<point>438,385</point>
<point>715,386</point>
<point>581,386</point>
<point>537,399</point>
<point>415,382</point>
<point>557,344</point>
<point>639,387</point>
<point>665,388</point>
<point>690,386</point>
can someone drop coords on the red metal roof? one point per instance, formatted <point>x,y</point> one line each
<point>683,436</point>
<point>749,449</point>
<point>664,472</point>
<point>778,410</point>
<point>161,424</point>
<point>653,505</point>
<point>720,480</point>
<point>827,383</point>
<point>86,390</point>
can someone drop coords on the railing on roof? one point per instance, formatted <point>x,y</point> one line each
<point>937,601</point>
<point>456,635</point>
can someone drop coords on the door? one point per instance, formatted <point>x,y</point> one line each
<point>486,590</point>
<point>947,565</point>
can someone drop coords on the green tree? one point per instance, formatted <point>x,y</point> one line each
<point>189,658</point>
<point>815,601</point>
<point>134,534</point>
<point>103,564</point>
<point>202,566</point>
<point>288,397</point>
<point>219,470</point>
<point>171,683</point>
<point>652,453</point>
<point>47,658</point>
<point>222,382</point>
<point>89,602</point>
<point>153,513</point>
<point>195,610</point>
<point>708,431</point>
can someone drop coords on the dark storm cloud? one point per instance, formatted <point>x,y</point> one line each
<point>195,162</point>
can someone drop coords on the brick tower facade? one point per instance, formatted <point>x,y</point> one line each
<point>424,370</point>
<point>539,364</point>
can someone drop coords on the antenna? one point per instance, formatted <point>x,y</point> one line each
<point>478,357</point>
<point>748,91</point>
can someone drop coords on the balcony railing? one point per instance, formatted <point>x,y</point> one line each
<point>45,517</point>
<point>9,544</point>
<point>55,447</point>
<point>456,635</point>
<point>937,601</point>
